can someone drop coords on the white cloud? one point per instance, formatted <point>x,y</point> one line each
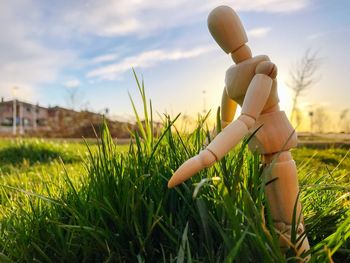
<point>269,6</point>
<point>23,91</point>
<point>121,28</point>
<point>105,58</point>
<point>145,60</point>
<point>328,32</point>
<point>121,17</point>
<point>73,83</point>
<point>34,34</point>
<point>316,35</point>
<point>258,32</point>
<point>25,61</point>
<point>110,18</point>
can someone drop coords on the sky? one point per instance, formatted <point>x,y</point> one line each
<point>49,48</point>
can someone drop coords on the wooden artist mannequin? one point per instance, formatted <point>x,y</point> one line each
<point>252,84</point>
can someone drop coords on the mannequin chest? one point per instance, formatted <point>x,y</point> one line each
<point>238,77</point>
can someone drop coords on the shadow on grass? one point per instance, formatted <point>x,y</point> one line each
<point>31,152</point>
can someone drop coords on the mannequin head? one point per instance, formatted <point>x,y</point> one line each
<point>227,30</point>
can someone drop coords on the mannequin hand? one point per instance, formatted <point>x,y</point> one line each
<point>192,166</point>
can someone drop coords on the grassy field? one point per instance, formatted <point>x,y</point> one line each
<point>62,202</point>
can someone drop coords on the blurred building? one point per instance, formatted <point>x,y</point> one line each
<point>28,117</point>
<point>22,118</point>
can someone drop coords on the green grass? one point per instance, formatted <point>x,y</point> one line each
<point>114,205</point>
<point>19,153</point>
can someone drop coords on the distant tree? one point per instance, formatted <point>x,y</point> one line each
<point>75,99</point>
<point>321,119</point>
<point>302,77</point>
<point>344,122</point>
<point>298,116</point>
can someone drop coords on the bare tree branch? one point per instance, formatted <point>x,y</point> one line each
<point>302,77</point>
<point>75,98</point>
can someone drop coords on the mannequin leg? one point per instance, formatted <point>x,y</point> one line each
<point>282,194</point>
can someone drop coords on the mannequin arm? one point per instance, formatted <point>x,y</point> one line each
<point>254,101</point>
<point>228,109</point>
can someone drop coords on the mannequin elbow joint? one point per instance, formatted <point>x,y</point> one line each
<point>267,68</point>
<point>247,120</point>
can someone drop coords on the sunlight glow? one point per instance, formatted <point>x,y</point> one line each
<point>285,96</point>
